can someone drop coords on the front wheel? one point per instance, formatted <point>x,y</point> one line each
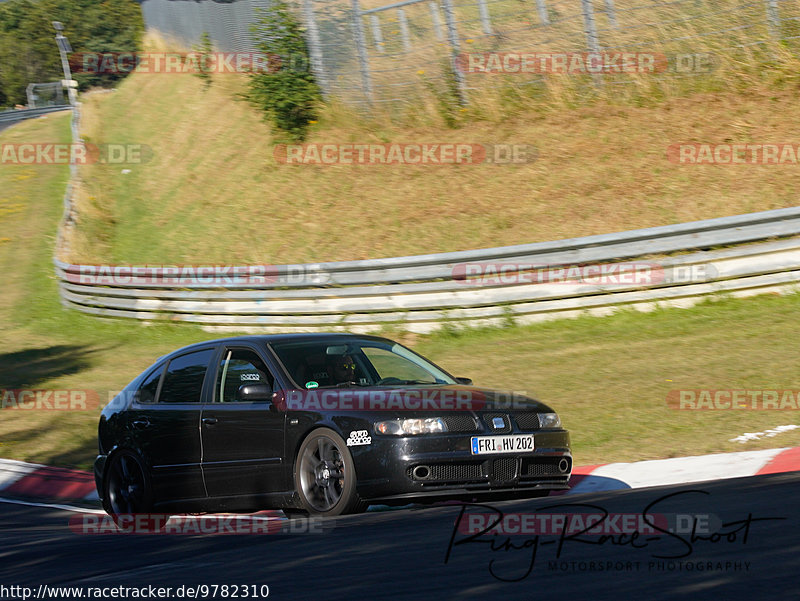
<point>325,476</point>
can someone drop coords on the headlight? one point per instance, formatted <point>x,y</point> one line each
<point>406,427</point>
<point>549,420</point>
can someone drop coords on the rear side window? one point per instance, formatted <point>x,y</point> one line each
<point>183,382</point>
<point>149,387</point>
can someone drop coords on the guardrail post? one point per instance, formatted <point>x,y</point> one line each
<point>361,48</point>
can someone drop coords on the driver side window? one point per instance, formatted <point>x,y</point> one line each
<point>239,367</point>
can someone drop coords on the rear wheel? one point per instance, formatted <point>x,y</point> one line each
<point>127,487</point>
<point>325,476</point>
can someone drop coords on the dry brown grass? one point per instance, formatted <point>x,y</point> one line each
<point>214,192</point>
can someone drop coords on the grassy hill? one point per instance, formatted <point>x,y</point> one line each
<point>608,377</point>
<point>213,191</point>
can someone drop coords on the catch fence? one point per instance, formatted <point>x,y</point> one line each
<point>370,51</point>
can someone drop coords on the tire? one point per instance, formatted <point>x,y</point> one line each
<point>325,476</point>
<point>127,489</point>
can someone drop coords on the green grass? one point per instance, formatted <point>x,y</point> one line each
<point>608,377</point>
<point>46,346</point>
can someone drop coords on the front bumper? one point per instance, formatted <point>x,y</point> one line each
<point>389,468</point>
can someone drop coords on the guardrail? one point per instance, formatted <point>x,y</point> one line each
<point>12,116</point>
<point>425,292</point>
<point>68,214</point>
<point>422,293</point>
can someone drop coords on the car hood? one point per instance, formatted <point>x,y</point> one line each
<point>409,398</point>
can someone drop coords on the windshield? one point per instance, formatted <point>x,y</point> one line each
<point>356,362</point>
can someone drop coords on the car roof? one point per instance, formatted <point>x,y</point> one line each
<point>272,338</point>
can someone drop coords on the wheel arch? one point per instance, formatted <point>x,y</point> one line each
<point>309,432</point>
<point>111,455</point>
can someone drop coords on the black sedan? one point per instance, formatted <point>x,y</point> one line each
<point>321,424</point>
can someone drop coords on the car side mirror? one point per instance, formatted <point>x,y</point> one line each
<point>464,381</point>
<point>255,392</point>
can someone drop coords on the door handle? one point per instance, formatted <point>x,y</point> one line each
<point>141,423</point>
<point>209,421</point>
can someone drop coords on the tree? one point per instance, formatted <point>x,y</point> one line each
<point>28,52</point>
<point>287,92</point>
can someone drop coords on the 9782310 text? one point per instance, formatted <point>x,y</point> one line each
<point>200,591</point>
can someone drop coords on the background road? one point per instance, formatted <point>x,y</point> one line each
<point>400,554</point>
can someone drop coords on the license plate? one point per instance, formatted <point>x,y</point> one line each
<point>513,443</point>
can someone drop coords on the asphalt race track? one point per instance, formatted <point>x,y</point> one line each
<point>401,554</point>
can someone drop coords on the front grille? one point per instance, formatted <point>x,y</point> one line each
<point>487,419</point>
<point>460,423</point>
<point>504,470</point>
<point>543,467</point>
<point>451,472</point>
<point>527,421</point>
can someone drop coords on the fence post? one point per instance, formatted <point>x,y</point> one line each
<point>361,47</point>
<point>455,49</point>
<point>773,19</point>
<point>486,22</point>
<point>611,13</point>
<point>377,35</point>
<point>314,47</point>
<point>437,21</point>
<point>31,96</point>
<point>590,29</point>
<point>591,35</point>
<point>403,22</point>
<point>542,8</point>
